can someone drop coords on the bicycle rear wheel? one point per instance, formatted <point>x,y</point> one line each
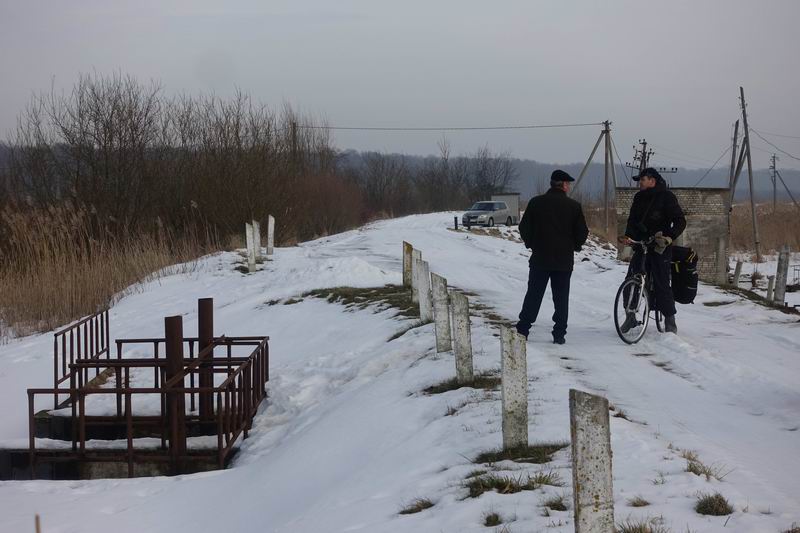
<point>659,321</point>
<point>631,310</point>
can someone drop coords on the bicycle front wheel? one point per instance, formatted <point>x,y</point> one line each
<point>631,310</point>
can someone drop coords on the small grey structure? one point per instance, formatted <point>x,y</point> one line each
<point>441,313</point>
<point>462,343</point>
<point>706,211</point>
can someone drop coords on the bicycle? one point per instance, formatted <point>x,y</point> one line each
<point>635,298</point>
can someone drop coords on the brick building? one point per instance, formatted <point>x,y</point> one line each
<point>707,227</point>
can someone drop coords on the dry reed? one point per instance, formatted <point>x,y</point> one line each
<point>56,266</point>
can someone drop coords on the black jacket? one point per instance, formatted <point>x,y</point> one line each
<point>653,210</point>
<point>553,227</point>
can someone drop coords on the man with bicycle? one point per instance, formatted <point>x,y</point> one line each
<point>655,214</point>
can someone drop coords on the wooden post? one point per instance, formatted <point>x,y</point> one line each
<point>605,186</point>
<point>407,252</point>
<point>425,303</point>
<point>441,313</point>
<point>782,276</point>
<point>462,344</point>
<point>592,488</point>
<point>270,237</point>
<point>416,262</point>
<point>205,336</point>
<point>514,376</point>
<point>173,334</point>
<point>737,273</point>
<point>588,162</point>
<point>756,237</point>
<point>734,149</point>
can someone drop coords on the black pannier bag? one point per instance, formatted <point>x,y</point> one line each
<point>684,274</point>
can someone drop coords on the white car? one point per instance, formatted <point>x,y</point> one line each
<point>489,214</point>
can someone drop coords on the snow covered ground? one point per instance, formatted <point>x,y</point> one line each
<point>346,439</point>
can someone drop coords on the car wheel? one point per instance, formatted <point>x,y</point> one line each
<point>490,223</point>
<point>508,221</point>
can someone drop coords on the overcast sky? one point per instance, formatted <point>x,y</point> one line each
<point>669,71</point>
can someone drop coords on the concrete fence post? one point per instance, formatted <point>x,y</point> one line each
<point>770,288</point>
<point>592,489</point>
<point>737,274</point>
<point>416,261</point>
<point>270,237</point>
<point>425,302</point>
<point>514,376</point>
<point>251,256</point>
<point>407,252</point>
<point>462,343</point>
<point>441,313</point>
<point>722,261</point>
<point>257,239</point>
<point>782,276</point>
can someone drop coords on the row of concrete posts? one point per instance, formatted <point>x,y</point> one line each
<point>252,236</point>
<point>776,285</point>
<point>590,432</point>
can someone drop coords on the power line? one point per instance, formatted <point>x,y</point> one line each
<point>778,148</point>
<point>728,149</point>
<point>670,151</point>
<point>454,128</point>
<point>619,160</point>
<point>779,135</point>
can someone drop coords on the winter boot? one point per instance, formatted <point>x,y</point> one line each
<point>522,330</point>
<point>559,340</point>
<point>630,322</point>
<point>669,324</point>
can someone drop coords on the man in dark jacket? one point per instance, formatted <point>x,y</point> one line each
<point>553,227</point>
<point>655,212</point>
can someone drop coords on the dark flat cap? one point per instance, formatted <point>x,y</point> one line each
<point>560,175</point>
<point>649,172</point>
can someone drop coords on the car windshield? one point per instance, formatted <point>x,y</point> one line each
<point>482,206</point>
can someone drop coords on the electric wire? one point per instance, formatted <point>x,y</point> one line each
<point>728,149</point>
<point>778,148</point>
<point>453,128</point>
<point>619,160</point>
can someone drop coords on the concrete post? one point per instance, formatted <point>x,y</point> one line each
<point>176,401</point>
<point>514,375</point>
<point>441,313</point>
<point>257,239</point>
<point>737,274</point>
<point>592,489</point>
<point>416,261</point>
<point>407,251</point>
<point>205,336</point>
<point>782,276</point>
<point>251,255</point>
<point>425,302</point>
<point>722,261</point>
<point>770,288</point>
<point>270,237</point>
<point>462,344</point>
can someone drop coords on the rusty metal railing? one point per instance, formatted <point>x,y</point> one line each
<point>87,339</point>
<point>233,402</point>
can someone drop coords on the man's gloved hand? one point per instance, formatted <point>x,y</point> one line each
<point>661,242</point>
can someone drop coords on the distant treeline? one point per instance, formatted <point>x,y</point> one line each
<point>137,161</point>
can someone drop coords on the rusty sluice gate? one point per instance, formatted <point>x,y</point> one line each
<point>181,409</point>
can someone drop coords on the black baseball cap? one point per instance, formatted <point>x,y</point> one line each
<point>649,172</point>
<point>560,175</point>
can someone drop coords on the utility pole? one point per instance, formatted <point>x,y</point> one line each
<point>294,145</point>
<point>774,168</point>
<point>734,150</point>
<point>607,132</point>
<point>750,176</point>
<point>641,160</point>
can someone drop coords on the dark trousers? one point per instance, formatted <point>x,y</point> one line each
<point>537,283</point>
<point>659,269</point>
